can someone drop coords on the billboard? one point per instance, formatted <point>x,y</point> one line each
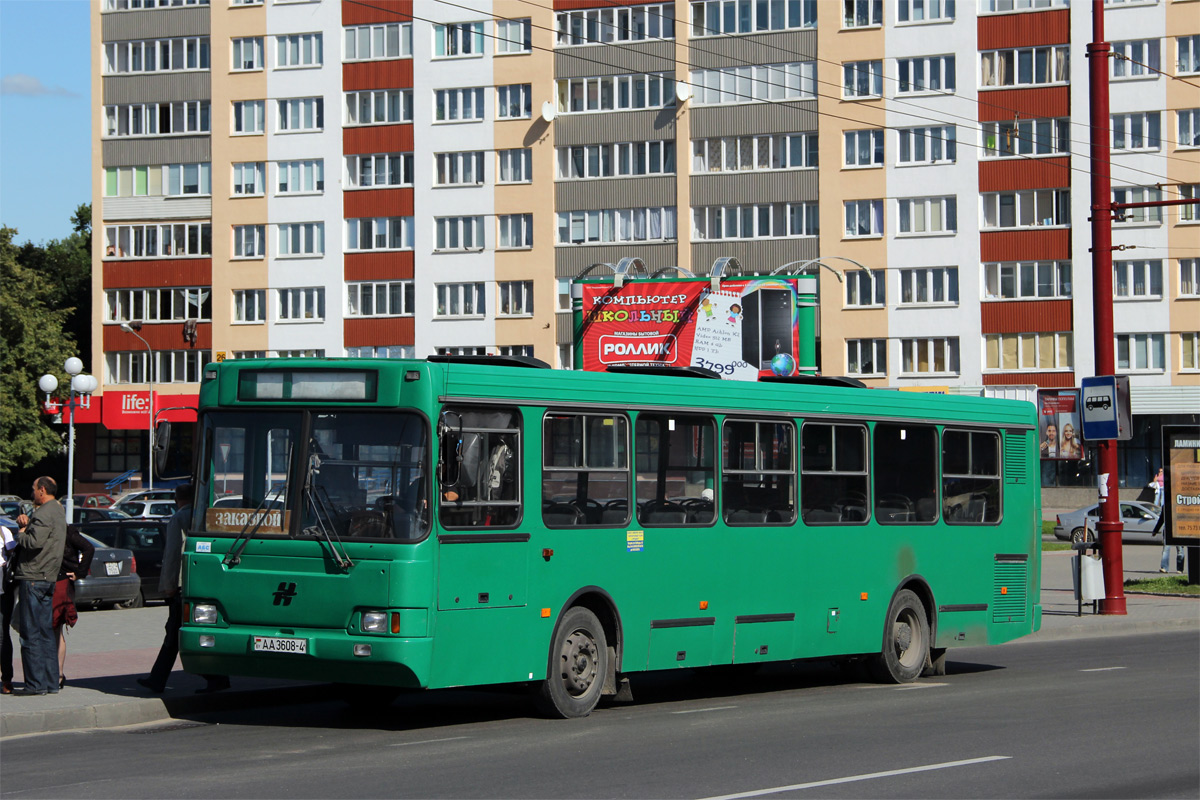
<point>1059,425</point>
<point>1181,457</point>
<point>742,329</point>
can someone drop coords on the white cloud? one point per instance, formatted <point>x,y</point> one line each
<point>30,86</point>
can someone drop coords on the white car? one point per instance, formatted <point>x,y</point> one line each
<point>147,508</point>
<point>1138,518</point>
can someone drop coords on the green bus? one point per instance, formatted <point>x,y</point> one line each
<point>465,521</point>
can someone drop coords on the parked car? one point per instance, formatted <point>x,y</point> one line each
<point>14,508</point>
<point>145,538</point>
<point>93,500</point>
<point>112,579</point>
<point>1138,517</point>
<point>147,508</point>
<point>95,514</point>
<point>147,494</point>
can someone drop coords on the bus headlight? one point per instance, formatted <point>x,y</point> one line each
<point>204,614</point>
<point>374,621</point>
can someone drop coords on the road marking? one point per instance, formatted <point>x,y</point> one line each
<point>852,778</point>
<point>1101,669</point>
<point>702,710</point>
<point>918,686</point>
<point>428,741</point>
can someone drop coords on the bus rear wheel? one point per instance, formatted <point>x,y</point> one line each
<point>577,667</point>
<point>905,641</point>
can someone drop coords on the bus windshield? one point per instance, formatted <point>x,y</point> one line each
<point>358,475</point>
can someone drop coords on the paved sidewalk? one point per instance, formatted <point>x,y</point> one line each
<point>108,650</point>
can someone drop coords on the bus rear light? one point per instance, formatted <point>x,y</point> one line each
<point>374,621</point>
<point>395,622</point>
<point>205,614</point>
<point>362,650</point>
<point>208,640</point>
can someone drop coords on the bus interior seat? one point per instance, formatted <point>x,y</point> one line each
<point>746,516</point>
<point>926,509</point>
<point>821,515</point>
<point>661,512</point>
<point>562,514</point>
<point>615,512</point>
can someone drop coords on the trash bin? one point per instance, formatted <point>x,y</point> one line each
<point>1089,577</point>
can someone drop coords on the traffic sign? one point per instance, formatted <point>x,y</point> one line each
<point>1105,412</point>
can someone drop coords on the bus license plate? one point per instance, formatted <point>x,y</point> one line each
<point>270,644</point>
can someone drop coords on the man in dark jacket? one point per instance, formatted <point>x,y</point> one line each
<point>41,537</point>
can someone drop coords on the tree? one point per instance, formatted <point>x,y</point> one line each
<point>66,265</point>
<point>33,330</point>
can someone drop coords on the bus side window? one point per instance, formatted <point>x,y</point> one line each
<point>758,484</point>
<point>833,479</point>
<point>585,469</point>
<point>970,477</point>
<point>906,468</point>
<point>479,467</point>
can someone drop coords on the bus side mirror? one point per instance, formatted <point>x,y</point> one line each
<point>162,446</point>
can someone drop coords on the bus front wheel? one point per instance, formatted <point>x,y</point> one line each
<point>905,641</point>
<point>578,664</point>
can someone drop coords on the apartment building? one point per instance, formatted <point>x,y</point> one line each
<point>405,177</point>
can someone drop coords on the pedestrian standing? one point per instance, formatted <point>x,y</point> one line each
<point>8,598</point>
<point>41,536</point>
<point>1158,484</point>
<point>76,561</point>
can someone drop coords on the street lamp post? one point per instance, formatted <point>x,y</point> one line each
<point>81,386</point>
<point>134,327</point>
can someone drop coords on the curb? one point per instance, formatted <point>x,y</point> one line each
<point>1082,629</point>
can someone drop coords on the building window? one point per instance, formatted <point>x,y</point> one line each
<point>655,224</point>
<point>516,166</point>
<point>379,107</point>
<point>929,286</point>
<point>1027,137</point>
<point>753,84</point>
<point>459,169</point>
<point>1026,66</point>
<point>604,25</point>
<point>1189,127</point>
<point>299,50</point>
<point>864,218</point>
<point>175,304</point>
<point>132,182</point>
<point>458,105</point>
<point>458,233</point>
<point>1141,352</point>
<point>614,93</point>
<point>514,36</point>
<point>250,305</point>
<point>118,451</point>
<point>938,356</point>
<point>866,357</point>
<point>310,353</point>
<point>461,351</point>
<point>1138,280</point>
<point>378,42</point>
<point>1187,60</point>
<point>514,101</point>
<point>458,40</point>
<point>1138,58</point>
<point>301,305</point>
<point>157,119</point>
<point>1138,216</point>
<point>562,297</point>
<point>925,10</point>
<point>302,239</point>
<point>761,221</point>
<point>130,5</point>
<point>249,241</point>
<point>459,300</point>
<point>249,354</point>
<point>156,55</point>
<point>1002,6</point>
<point>302,114</point>
<point>515,231</point>
<point>862,79</point>
<point>525,350</point>
<point>721,17</point>
<point>249,178</point>
<point>1028,351</point>
<point>930,74</point>
<point>1189,352</point>
<point>248,54</point>
<point>566,356</point>
<point>1190,212</point>
<point>169,366</point>
<point>300,177</point>
<point>379,233</point>
<point>746,153</point>
<point>516,298</point>
<point>180,180</point>
<point>865,288</point>
<point>1019,280</point>
<point>382,351</point>
<point>862,13</point>
<point>379,169</point>
<point>382,299</point>
<point>248,116</point>
<point>173,240</point>
<point>1138,131</point>
<point>926,146</point>
<point>864,148</point>
<point>927,215</point>
<point>1189,277</point>
<point>622,159</point>
<point>1027,209</point>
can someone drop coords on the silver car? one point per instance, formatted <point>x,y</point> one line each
<point>1138,518</point>
<point>147,508</point>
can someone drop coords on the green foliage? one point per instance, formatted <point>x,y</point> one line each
<point>36,307</point>
<point>1165,584</point>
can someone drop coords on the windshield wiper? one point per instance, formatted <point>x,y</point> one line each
<point>323,515</point>
<point>234,556</point>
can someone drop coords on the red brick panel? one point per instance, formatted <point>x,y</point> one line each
<point>1007,104</point>
<point>997,31</point>
<point>1025,245</point>
<point>1046,380</point>
<point>379,332</point>
<point>377,139</point>
<point>1007,175</point>
<point>391,74</point>
<point>153,273</point>
<point>1025,316</point>
<point>379,266</point>
<point>378,203</point>
<point>160,336</point>
<point>364,13</point>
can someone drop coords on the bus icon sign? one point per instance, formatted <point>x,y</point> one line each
<point>1106,412</point>
<point>1096,401</point>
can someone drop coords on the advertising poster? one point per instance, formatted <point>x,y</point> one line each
<point>1181,454</point>
<point>744,329</point>
<point>1059,425</point>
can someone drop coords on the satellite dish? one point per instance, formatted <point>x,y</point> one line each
<point>549,112</point>
<point>683,91</point>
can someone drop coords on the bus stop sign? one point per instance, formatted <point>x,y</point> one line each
<point>1105,411</point>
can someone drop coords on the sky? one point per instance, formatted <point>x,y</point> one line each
<point>45,127</point>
